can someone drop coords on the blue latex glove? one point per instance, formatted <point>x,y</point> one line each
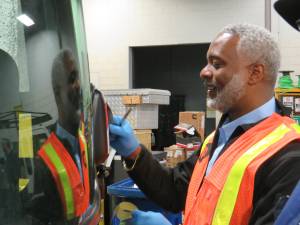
<point>148,218</point>
<point>122,137</point>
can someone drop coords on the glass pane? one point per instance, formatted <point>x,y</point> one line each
<point>44,92</point>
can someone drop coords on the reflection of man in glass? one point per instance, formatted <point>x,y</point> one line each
<point>66,87</point>
<point>62,173</point>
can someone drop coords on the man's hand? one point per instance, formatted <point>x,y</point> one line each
<point>148,218</point>
<point>121,137</point>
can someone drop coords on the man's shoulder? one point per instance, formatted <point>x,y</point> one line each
<point>288,156</point>
<point>285,162</point>
<point>292,149</point>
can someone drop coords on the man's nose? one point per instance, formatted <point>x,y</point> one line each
<point>206,73</point>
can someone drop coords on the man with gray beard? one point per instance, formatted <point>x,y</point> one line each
<point>245,170</point>
<point>228,95</point>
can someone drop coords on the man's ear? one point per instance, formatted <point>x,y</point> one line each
<point>257,73</point>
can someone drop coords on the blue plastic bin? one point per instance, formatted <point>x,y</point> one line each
<point>124,191</point>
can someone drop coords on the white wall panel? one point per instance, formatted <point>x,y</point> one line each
<point>112,26</point>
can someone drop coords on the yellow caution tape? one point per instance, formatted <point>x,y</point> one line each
<point>25,136</point>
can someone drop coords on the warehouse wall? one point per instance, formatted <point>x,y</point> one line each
<point>115,25</point>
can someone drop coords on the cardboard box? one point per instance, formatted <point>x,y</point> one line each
<point>175,155</point>
<point>144,137</point>
<point>195,118</point>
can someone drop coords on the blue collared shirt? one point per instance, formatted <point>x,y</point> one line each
<point>75,150</point>
<point>228,127</point>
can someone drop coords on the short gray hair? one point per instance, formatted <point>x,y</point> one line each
<point>257,44</point>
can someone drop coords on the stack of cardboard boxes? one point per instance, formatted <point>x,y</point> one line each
<point>144,137</point>
<point>176,154</point>
<point>194,118</point>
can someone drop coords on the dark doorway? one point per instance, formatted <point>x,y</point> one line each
<point>175,68</point>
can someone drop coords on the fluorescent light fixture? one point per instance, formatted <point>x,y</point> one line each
<point>26,20</point>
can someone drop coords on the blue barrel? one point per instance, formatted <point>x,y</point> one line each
<point>124,191</point>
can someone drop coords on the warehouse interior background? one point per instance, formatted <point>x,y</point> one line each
<point>158,44</point>
<point>114,27</point>
<point>150,44</point>
<point>135,44</point>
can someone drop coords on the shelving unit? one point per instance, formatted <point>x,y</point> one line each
<point>290,97</point>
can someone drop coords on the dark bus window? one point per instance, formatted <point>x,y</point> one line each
<point>31,108</point>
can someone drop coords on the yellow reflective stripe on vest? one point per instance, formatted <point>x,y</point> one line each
<point>209,137</point>
<point>82,138</point>
<point>296,127</point>
<point>227,198</point>
<point>64,180</point>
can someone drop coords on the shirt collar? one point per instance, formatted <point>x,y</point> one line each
<point>254,116</point>
<point>64,134</point>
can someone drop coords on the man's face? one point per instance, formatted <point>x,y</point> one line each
<point>70,92</point>
<point>225,74</point>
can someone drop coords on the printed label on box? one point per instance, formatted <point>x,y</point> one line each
<point>297,104</point>
<point>178,153</point>
<point>287,101</point>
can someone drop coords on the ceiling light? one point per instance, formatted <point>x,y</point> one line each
<point>26,20</point>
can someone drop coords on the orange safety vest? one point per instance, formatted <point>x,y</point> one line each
<point>74,193</point>
<point>224,196</point>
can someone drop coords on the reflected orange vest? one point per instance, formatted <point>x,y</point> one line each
<point>74,193</point>
<point>225,195</point>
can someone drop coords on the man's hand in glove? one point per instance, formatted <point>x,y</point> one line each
<point>148,218</point>
<point>122,138</point>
